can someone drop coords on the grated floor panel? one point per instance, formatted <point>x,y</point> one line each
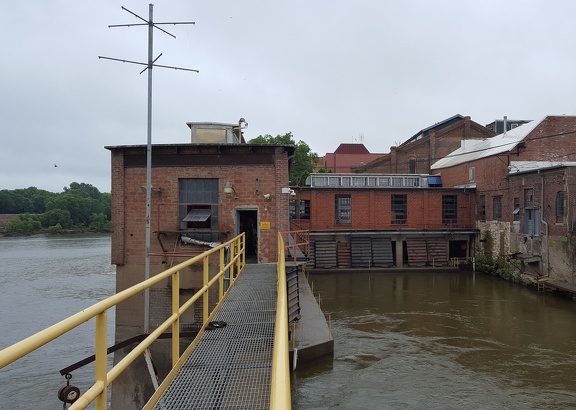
<point>231,366</point>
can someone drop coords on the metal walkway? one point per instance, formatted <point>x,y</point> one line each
<point>231,367</point>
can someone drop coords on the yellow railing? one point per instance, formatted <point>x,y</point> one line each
<point>280,388</point>
<point>103,378</point>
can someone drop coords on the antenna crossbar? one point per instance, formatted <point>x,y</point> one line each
<point>151,25</point>
<point>146,64</point>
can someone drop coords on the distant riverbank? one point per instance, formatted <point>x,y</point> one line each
<point>63,232</point>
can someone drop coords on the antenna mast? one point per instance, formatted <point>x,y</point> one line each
<point>149,65</point>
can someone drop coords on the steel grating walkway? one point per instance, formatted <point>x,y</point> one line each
<point>231,367</point>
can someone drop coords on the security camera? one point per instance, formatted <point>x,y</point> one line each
<point>266,196</point>
<point>292,193</point>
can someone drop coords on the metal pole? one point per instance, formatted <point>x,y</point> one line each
<point>148,172</point>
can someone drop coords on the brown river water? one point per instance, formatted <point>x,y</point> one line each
<point>440,341</point>
<point>402,341</point>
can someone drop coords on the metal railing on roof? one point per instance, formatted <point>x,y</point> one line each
<point>368,181</point>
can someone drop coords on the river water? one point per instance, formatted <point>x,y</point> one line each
<point>402,341</point>
<point>441,341</point>
<point>42,281</point>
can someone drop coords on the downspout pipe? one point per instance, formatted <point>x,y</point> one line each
<point>545,225</point>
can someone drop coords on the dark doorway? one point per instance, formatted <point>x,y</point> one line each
<point>458,249</point>
<point>248,223</point>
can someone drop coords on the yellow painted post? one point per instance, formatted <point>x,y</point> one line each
<point>232,255</point>
<point>221,280</point>
<point>101,358</point>
<point>205,296</point>
<point>280,383</point>
<point>176,324</point>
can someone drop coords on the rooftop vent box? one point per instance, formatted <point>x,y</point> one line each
<point>434,181</point>
<point>214,133</point>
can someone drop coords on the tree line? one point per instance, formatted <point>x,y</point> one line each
<point>305,161</point>
<point>82,206</point>
<point>78,207</point>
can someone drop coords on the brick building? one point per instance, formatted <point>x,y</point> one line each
<point>209,190</point>
<point>415,155</point>
<point>377,220</point>
<point>347,157</point>
<point>524,179</point>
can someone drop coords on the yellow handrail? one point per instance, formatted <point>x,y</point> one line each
<point>280,388</point>
<point>99,311</point>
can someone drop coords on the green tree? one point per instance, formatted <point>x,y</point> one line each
<point>54,217</point>
<point>72,208</point>
<point>304,159</point>
<point>83,190</point>
<point>25,223</point>
<point>100,222</point>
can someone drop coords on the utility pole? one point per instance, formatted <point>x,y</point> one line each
<point>149,65</point>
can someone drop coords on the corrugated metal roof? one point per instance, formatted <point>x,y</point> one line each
<point>527,166</point>
<point>472,150</point>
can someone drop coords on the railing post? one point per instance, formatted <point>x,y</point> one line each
<point>205,285</point>
<point>221,280</point>
<point>232,255</point>
<point>176,311</point>
<point>101,358</point>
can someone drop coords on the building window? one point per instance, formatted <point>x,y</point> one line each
<point>497,207</point>
<point>560,207</point>
<point>516,209</point>
<point>304,208</point>
<point>412,166</point>
<point>471,174</point>
<point>528,198</point>
<point>532,221</point>
<point>449,209</point>
<point>399,209</point>
<point>343,209</point>
<point>292,208</point>
<point>482,208</point>
<point>198,208</point>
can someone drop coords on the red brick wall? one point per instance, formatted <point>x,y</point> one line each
<point>428,149</point>
<point>371,209</point>
<point>250,182</point>
<point>553,140</point>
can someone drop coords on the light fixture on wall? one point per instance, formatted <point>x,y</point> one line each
<point>229,189</point>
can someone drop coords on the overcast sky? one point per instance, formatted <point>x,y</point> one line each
<point>328,71</point>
